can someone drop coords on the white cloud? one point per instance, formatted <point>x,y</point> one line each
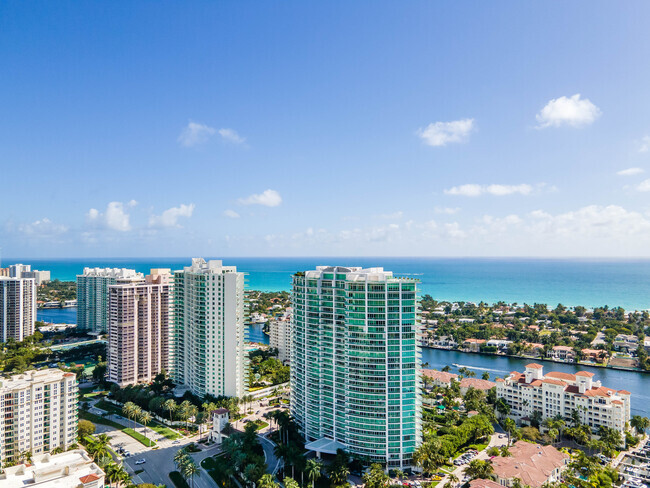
<point>114,218</point>
<point>169,218</point>
<point>644,186</point>
<point>230,214</point>
<point>474,190</point>
<point>195,133</point>
<point>268,198</point>
<point>610,221</point>
<point>573,111</point>
<point>43,228</point>
<point>630,172</point>
<point>443,133</point>
<point>645,144</point>
<point>132,203</point>
<point>446,210</point>
<point>231,136</point>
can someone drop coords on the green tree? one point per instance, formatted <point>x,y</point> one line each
<point>313,470</point>
<point>479,469</point>
<point>85,427</point>
<point>170,406</point>
<point>376,477</point>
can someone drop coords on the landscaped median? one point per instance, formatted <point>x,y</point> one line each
<point>157,427</point>
<point>127,430</point>
<point>178,480</point>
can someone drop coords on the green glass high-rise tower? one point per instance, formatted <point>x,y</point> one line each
<point>355,363</point>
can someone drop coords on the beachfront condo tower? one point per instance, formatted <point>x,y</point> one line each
<point>92,295</point>
<point>208,329</point>
<point>17,308</point>
<point>138,330</point>
<point>355,363</point>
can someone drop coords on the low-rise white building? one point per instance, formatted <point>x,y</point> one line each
<point>559,393</point>
<point>71,469</point>
<point>39,409</point>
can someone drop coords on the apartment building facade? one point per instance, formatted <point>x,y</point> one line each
<point>558,393</point>
<point>280,338</point>
<point>139,326</point>
<point>208,350</point>
<point>355,363</point>
<point>17,308</point>
<point>40,412</point>
<point>92,295</point>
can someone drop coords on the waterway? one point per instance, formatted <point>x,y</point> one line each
<point>69,316</point>
<point>499,366</point>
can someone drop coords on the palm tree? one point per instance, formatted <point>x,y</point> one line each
<point>128,409</point>
<point>453,479</point>
<point>505,452</point>
<point>509,425</point>
<point>339,474</point>
<point>179,457</point>
<point>640,424</point>
<point>189,470</point>
<point>170,406</point>
<point>145,418</point>
<point>290,482</point>
<point>478,468</point>
<point>313,469</point>
<point>267,481</point>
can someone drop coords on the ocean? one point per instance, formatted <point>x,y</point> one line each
<point>587,282</point>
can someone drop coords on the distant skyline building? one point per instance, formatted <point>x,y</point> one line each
<point>208,340</point>
<point>39,412</point>
<point>17,308</point>
<point>25,271</point>
<point>280,337</point>
<point>92,295</point>
<point>355,363</point>
<point>138,331</point>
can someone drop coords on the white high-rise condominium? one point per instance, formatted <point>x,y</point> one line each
<point>17,308</point>
<point>92,295</point>
<point>208,343</point>
<point>39,410</point>
<point>138,331</point>
<point>355,363</point>
<point>280,337</point>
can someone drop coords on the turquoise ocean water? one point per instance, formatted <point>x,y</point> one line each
<point>587,282</point>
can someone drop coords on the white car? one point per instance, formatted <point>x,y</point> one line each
<point>141,461</point>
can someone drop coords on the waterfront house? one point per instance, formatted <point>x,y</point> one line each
<point>562,353</point>
<point>626,343</point>
<point>473,345</point>
<point>595,355</point>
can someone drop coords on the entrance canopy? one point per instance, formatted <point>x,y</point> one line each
<point>325,445</point>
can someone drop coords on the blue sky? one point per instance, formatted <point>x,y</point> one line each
<point>332,128</point>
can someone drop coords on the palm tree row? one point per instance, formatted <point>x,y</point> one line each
<point>97,447</point>
<point>186,465</point>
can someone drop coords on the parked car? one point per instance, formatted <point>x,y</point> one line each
<point>141,461</point>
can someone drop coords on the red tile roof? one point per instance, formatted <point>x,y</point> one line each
<point>439,375</point>
<point>560,376</point>
<point>534,366</point>
<point>477,383</point>
<point>533,464</point>
<point>89,478</point>
<point>481,483</point>
<point>624,392</point>
<point>585,373</point>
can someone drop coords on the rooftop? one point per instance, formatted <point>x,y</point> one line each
<point>66,470</point>
<point>533,464</point>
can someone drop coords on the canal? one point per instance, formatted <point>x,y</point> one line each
<point>498,366</point>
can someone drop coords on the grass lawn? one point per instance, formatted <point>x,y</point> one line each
<point>109,407</point>
<point>478,447</point>
<point>178,480</point>
<point>139,437</point>
<point>153,425</point>
<point>164,431</point>
<point>101,420</point>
